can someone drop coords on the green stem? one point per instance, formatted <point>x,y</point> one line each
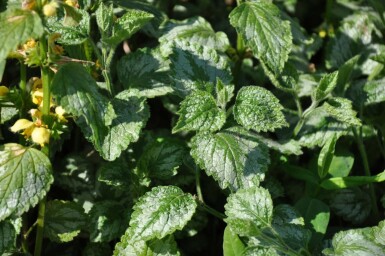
<point>329,8</point>
<point>302,119</point>
<point>45,76</point>
<point>298,104</point>
<point>23,88</point>
<point>40,227</point>
<point>212,211</point>
<point>365,162</point>
<point>198,184</point>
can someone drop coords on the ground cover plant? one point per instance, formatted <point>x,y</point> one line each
<point>192,127</point>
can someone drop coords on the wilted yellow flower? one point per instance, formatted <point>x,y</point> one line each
<point>28,4</point>
<point>50,8</point>
<point>41,135</point>
<point>3,90</point>
<point>21,124</point>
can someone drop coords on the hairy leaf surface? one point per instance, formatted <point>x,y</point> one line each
<point>342,110</point>
<point>234,157</point>
<point>25,178</point>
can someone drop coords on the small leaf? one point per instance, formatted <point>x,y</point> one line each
<point>195,30</point>
<point>232,245</point>
<point>224,93</point>
<point>129,117</point>
<point>258,109</point>
<point>342,110</point>
<point>127,25</point>
<point>199,112</point>
<point>147,71</point>
<point>76,91</point>
<point>249,211</point>
<point>63,220</point>
<point>160,212</point>
<point>105,19</point>
<point>25,178</point>
<point>108,221</point>
<point>233,157</point>
<point>264,32</point>
<point>316,215</point>
<point>194,66</point>
<point>7,236</point>
<point>352,204</point>
<point>325,157</point>
<point>341,164</point>
<point>162,158</point>
<point>345,74</point>
<point>357,242</point>
<point>325,86</point>
<point>155,247</point>
<point>16,27</point>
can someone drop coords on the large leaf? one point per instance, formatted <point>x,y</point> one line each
<point>195,30</point>
<point>16,27</point>
<point>352,204</point>
<point>195,67</point>
<point>108,221</point>
<point>249,210</point>
<point>162,158</point>
<point>63,220</point>
<point>233,157</point>
<point>127,25</point>
<point>199,112</point>
<point>264,32</point>
<point>155,247</point>
<point>232,245</point>
<point>258,109</point>
<point>160,212</point>
<point>342,110</point>
<point>128,118</point>
<point>358,242</point>
<point>145,70</point>
<point>76,91</point>
<point>25,178</point>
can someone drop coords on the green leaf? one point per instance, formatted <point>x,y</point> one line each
<point>259,251</point>
<point>16,27</point>
<point>351,181</point>
<point>353,36</point>
<point>162,158</point>
<point>130,114</point>
<point>129,247</point>
<point>258,109</point>
<point>232,245</point>
<point>196,67</point>
<point>345,73</point>
<point>147,71</point>
<point>290,147</point>
<point>264,32</point>
<point>286,214</point>
<point>63,220</point>
<point>199,112</point>
<point>127,25</point>
<point>374,92</point>
<point>316,215</point>
<point>116,173</point>
<point>249,210</point>
<point>325,156</point>
<point>8,236</point>
<point>233,157</point>
<point>76,91</point>
<point>287,80</point>
<point>7,113</point>
<point>195,30</point>
<point>160,212</point>
<point>74,28</point>
<point>224,93</point>
<point>352,204</point>
<point>358,242</point>
<point>341,164</point>
<point>105,19</point>
<point>25,178</point>
<point>108,221</point>
<point>325,86</point>
<point>318,128</point>
<point>342,110</point>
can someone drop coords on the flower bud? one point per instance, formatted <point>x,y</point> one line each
<point>50,9</point>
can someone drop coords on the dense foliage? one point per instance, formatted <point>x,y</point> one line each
<point>192,127</point>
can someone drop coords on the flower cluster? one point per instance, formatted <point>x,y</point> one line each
<point>37,130</point>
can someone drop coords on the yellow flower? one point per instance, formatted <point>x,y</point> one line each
<point>37,96</point>
<point>31,43</point>
<point>41,135</point>
<point>322,33</point>
<point>28,4</point>
<point>72,3</point>
<point>3,90</point>
<point>59,110</point>
<point>50,9</point>
<point>21,124</point>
